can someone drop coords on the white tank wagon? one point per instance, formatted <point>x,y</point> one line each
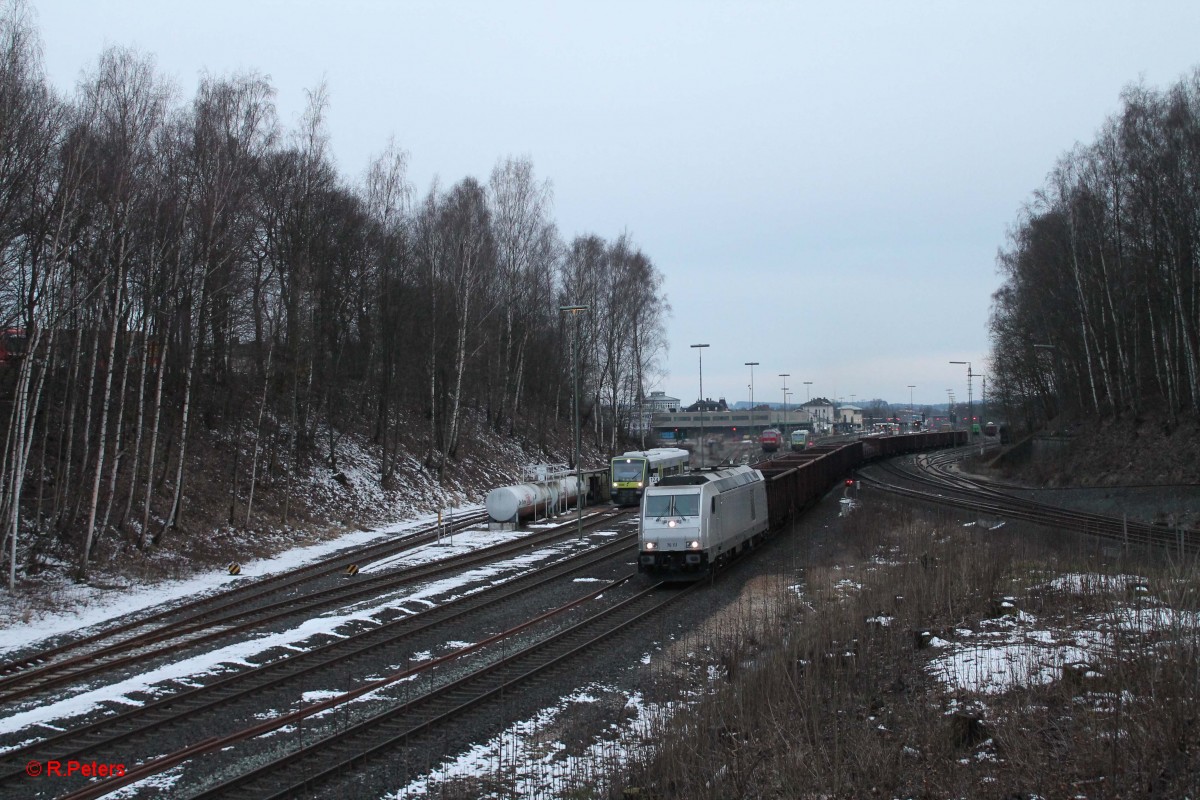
<point>692,524</point>
<point>511,504</point>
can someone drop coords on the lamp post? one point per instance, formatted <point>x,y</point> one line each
<point>751,365</point>
<point>700,352</point>
<point>575,311</point>
<point>807,410</point>
<point>783,423</point>
<point>982,401</point>
<point>970,417</point>
<point>911,414</point>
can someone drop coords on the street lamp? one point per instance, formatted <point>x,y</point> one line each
<point>807,410</point>
<point>751,365</point>
<point>783,424</point>
<point>575,312</point>
<point>982,398</point>
<point>700,352</point>
<point>970,416</point>
<point>911,414</point>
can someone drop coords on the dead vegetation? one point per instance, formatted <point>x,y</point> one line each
<point>316,503</point>
<point>947,666</point>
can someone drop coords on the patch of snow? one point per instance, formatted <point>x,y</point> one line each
<point>537,766</point>
<point>91,607</point>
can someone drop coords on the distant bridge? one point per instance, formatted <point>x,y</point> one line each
<point>685,425</point>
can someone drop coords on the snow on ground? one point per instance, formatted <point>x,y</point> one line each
<point>245,653</point>
<point>92,606</point>
<point>534,763</point>
<point>1018,649</point>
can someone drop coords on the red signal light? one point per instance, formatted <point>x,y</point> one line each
<point>849,481</point>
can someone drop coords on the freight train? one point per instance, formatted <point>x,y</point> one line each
<point>692,524</point>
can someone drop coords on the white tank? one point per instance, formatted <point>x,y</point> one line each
<point>509,503</point>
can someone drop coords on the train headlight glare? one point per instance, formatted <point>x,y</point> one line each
<point>648,545</point>
<point>614,484</point>
<point>639,484</point>
<point>670,523</point>
<point>694,544</point>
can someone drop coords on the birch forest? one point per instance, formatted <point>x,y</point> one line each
<point>1099,312</point>
<point>190,288</point>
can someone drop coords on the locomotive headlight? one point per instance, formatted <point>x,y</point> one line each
<point>648,545</point>
<point>670,523</point>
<point>639,484</point>
<point>614,484</point>
<point>694,544</point>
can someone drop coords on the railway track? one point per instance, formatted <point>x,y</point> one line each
<point>929,477</point>
<point>202,608</point>
<point>130,730</point>
<point>423,715</point>
<point>232,617</point>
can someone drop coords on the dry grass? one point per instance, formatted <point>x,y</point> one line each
<point>828,693</point>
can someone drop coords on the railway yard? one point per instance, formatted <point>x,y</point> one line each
<point>360,674</point>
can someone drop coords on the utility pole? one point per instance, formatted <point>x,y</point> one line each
<point>700,350</point>
<point>970,411</point>
<point>783,422</point>
<point>575,311</point>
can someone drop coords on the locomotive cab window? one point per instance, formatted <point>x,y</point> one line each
<point>714,505</point>
<point>627,470</point>
<point>672,505</point>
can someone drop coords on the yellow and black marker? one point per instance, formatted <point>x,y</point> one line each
<point>235,568</point>
<point>352,570</point>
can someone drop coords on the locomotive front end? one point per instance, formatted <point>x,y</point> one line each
<point>671,536</point>
<point>629,479</point>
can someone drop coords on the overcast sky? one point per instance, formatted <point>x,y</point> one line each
<point>823,186</point>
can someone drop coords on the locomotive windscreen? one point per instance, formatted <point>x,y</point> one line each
<point>672,505</point>
<point>627,469</point>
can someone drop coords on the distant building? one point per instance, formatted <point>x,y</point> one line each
<point>661,403</point>
<point>820,411</point>
<point>707,405</point>
<point>656,403</point>
<point>849,415</point>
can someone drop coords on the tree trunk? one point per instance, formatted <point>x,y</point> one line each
<point>101,445</point>
<point>262,405</point>
<point>152,451</point>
